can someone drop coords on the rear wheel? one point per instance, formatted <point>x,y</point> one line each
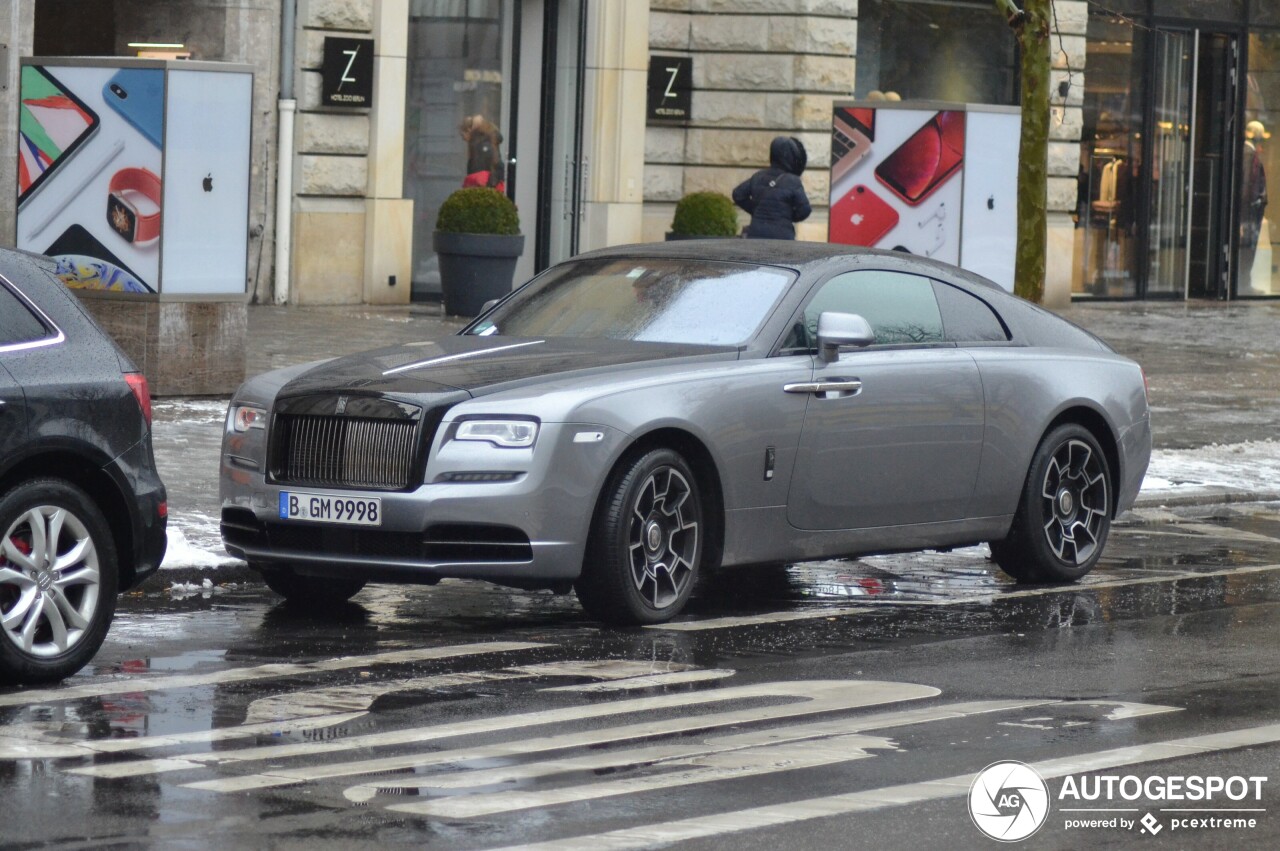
<point>58,581</point>
<point>646,543</point>
<point>1064,515</point>
<point>310,590</point>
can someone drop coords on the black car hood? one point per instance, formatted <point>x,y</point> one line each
<point>479,365</point>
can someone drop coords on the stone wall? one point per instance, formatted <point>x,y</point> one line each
<point>762,68</point>
<point>351,229</point>
<point>185,348</point>
<point>1066,121</point>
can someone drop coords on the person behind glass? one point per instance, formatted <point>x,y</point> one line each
<point>484,155</point>
<point>1253,200</point>
<point>774,196</point>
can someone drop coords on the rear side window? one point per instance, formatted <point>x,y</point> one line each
<point>901,308</point>
<point>968,319</point>
<point>17,323</point>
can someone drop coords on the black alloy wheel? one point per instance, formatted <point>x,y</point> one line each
<point>58,581</point>
<point>645,548</point>
<point>1064,515</point>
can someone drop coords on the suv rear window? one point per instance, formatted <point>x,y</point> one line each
<point>17,323</point>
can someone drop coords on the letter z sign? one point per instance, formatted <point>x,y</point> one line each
<point>347,73</point>
<point>670,87</point>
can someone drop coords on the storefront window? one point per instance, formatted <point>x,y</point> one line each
<point>956,50</point>
<point>456,108</point>
<point>1110,160</point>
<point>1259,258</point>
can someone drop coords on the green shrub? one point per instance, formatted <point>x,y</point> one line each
<point>478,209</point>
<point>705,214</point>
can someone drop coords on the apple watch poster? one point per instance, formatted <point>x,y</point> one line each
<point>89,167</point>
<point>894,179</point>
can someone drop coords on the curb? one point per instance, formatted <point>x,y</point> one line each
<point>1203,496</point>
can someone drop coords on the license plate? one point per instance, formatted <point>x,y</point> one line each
<point>331,508</point>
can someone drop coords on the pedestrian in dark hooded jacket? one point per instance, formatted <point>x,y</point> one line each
<point>774,196</point>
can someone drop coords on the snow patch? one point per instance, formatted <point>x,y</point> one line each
<point>1253,465</point>
<point>183,554</point>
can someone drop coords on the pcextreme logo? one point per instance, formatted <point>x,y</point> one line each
<point>1008,801</point>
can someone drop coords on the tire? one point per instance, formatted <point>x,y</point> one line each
<point>310,590</point>
<point>646,544</point>
<point>56,600</point>
<point>1064,513</point>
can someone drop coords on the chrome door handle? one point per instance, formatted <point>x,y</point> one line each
<point>835,388</point>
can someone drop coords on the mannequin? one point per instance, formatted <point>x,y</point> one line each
<point>1253,200</point>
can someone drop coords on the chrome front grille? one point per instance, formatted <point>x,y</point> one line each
<point>347,452</point>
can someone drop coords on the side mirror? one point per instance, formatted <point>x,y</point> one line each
<point>842,329</point>
<point>488,305</point>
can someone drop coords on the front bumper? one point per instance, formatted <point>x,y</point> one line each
<point>528,532</point>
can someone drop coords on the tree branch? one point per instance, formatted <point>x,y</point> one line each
<point>1012,14</point>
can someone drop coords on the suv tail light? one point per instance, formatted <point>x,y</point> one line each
<point>138,384</point>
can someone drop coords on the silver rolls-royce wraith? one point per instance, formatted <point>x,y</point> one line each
<point>635,416</point>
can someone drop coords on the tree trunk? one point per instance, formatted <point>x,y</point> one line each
<point>1031,27</point>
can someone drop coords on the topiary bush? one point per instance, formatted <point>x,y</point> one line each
<point>705,214</point>
<point>478,209</point>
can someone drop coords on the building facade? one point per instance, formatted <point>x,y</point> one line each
<point>1161,166</point>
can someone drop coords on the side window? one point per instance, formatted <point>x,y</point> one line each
<point>901,308</point>
<point>968,319</point>
<point>17,323</point>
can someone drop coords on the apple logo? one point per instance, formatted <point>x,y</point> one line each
<point>207,183</point>
<point>856,218</point>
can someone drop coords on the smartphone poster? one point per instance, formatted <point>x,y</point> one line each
<point>896,179</point>
<point>90,165</point>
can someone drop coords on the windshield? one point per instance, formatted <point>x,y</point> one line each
<point>651,300</point>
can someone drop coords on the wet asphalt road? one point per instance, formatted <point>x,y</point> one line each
<point>842,704</point>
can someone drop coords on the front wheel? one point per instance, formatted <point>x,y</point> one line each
<point>646,543</point>
<point>58,581</point>
<point>1064,515</point>
<point>310,590</point>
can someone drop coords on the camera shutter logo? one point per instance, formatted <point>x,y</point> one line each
<point>1008,801</point>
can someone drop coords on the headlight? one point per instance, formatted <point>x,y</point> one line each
<point>509,434</point>
<point>245,417</point>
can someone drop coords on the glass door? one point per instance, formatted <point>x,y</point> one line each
<point>1169,221</point>
<point>459,78</point>
<point>1192,164</point>
<point>563,173</point>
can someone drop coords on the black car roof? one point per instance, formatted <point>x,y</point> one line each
<point>774,252</point>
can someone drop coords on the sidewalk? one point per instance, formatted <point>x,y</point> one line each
<point>1213,371</point>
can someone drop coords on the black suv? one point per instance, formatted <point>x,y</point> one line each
<point>82,508</point>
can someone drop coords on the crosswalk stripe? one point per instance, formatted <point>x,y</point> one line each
<point>909,793</point>
<point>818,696</point>
<point>750,762</point>
<point>720,757</point>
<point>12,747</point>
<point>626,759</point>
<point>651,681</point>
<point>137,684</point>
<point>324,707</point>
<point>752,620</point>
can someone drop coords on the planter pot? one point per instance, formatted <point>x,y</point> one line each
<point>474,268</point>
<point>676,237</point>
